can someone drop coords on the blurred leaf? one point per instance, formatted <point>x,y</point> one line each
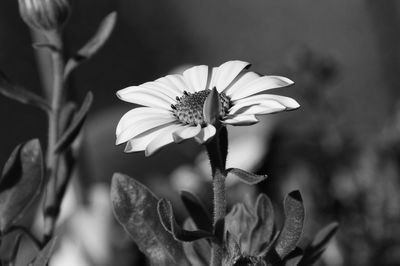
<point>244,176</point>
<point>66,116</point>
<point>21,95</point>
<point>12,168</point>
<point>94,44</point>
<point>197,211</point>
<point>198,252</point>
<point>167,219</point>
<point>212,107</point>
<point>318,245</point>
<point>15,248</point>
<point>25,175</point>
<point>73,130</point>
<point>294,257</point>
<point>43,257</point>
<point>293,226</point>
<point>263,228</point>
<point>135,207</point>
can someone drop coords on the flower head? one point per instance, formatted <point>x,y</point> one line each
<point>44,15</point>
<point>177,107</point>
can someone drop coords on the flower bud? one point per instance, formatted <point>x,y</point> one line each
<point>44,15</point>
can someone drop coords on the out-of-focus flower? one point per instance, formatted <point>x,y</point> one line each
<point>44,15</point>
<point>174,106</point>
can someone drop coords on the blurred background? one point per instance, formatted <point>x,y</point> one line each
<point>341,148</point>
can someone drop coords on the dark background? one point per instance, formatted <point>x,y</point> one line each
<point>340,148</point>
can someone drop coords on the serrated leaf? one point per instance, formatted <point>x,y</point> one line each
<point>244,176</point>
<point>21,95</point>
<point>167,219</point>
<point>73,130</point>
<point>26,180</point>
<point>293,225</point>
<point>43,257</point>
<point>212,107</point>
<point>197,211</point>
<point>94,44</point>
<point>135,208</point>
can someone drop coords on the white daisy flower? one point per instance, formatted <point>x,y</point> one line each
<point>173,105</point>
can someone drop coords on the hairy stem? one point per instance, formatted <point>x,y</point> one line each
<point>217,150</point>
<point>50,208</point>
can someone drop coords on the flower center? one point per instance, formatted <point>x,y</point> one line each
<point>189,107</point>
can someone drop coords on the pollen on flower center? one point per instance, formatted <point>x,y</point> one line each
<point>189,107</point>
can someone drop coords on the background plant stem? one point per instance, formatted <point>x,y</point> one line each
<point>50,208</point>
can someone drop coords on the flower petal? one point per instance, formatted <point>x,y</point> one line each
<point>146,97</point>
<point>271,102</point>
<point>186,133</point>
<point>140,142</point>
<point>241,82</point>
<point>241,120</point>
<point>227,72</point>
<point>261,84</point>
<point>141,127</point>
<point>133,116</point>
<point>196,78</point>
<point>273,107</point>
<point>162,87</point>
<point>161,140</point>
<point>175,81</point>
<point>205,134</point>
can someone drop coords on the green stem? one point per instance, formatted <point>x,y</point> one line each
<point>217,150</point>
<point>51,209</point>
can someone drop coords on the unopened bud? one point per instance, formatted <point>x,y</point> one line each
<point>44,15</point>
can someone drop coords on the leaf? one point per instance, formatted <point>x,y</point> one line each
<point>313,251</point>
<point>17,242</point>
<point>244,176</point>
<point>66,116</point>
<point>167,219</point>
<point>324,235</point>
<point>197,252</point>
<point>94,44</point>
<point>263,229</point>
<point>293,226</point>
<point>73,130</point>
<point>135,208</point>
<point>21,95</point>
<point>21,181</point>
<point>212,107</point>
<point>43,257</point>
<point>197,211</point>
<point>11,169</point>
